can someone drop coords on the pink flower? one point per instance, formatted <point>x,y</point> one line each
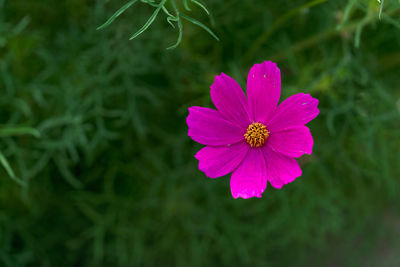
<point>253,137</point>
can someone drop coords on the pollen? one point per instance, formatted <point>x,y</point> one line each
<point>256,134</point>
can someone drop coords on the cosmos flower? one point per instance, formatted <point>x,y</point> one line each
<point>253,137</point>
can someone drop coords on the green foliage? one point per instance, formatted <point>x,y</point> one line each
<point>380,10</point>
<point>93,135</point>
<point>171,19</point>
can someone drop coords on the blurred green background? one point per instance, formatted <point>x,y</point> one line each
<point>97,168</point>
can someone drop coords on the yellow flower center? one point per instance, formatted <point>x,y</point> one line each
<point>256,134</point>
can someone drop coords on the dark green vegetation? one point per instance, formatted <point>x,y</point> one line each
<point>111,180</point>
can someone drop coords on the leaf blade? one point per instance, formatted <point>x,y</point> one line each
<point>9,170</point>
<point>15,131</point>
<point>201,5</point>
<point>149,21</point>
<point>116,14</point>
<point>201,25</point>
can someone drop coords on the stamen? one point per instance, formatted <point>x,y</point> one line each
<point>256,134</point>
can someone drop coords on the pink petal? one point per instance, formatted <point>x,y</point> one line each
<point>230,100</point>
<point>249,179</point>
<point>293,142</point>
<point>263,90</point>
<point>220,160</point>
<point>280,168</point>
<point>297,110</point>
<point>207,127</point>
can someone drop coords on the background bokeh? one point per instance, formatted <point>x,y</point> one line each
<point>97,168</point>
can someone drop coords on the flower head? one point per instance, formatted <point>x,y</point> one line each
<point>253,137</point>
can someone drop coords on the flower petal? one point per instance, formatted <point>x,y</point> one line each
<point>249,179</point>
<point>281,169</point>
<point>263,90</point>
<point>216,161</point>
<point>292,142</point>
<point>207,127</point>
<point>229,99</point>
<point>296,110</point>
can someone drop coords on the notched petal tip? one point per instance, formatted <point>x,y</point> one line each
<point>190,109</point>
<point>311,103</point>
<point>281,169</point>
<point>246,195</point>
<point>250,177</point>
<point>292,142</point>
<point>309,148</point>
<point>276,183</point>
<point>266,68</point>
<point>246,191</point>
